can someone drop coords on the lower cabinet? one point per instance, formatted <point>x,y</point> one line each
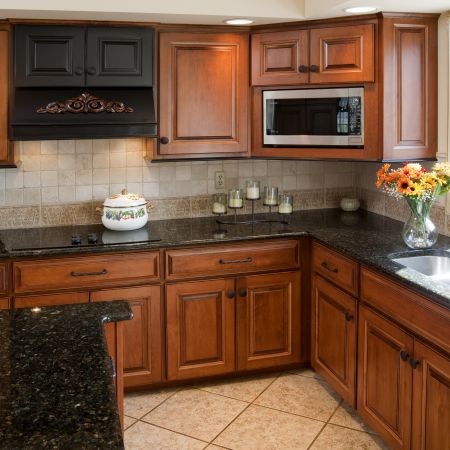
<point>431,399</point>
<point>254,320</point>
<point>4,303</point>
<point>142,336</point>
<point>333,340</point>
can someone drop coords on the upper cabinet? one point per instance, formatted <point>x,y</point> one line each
<point>75,56</point>
<point>203,95</point>
<point>341,54</point>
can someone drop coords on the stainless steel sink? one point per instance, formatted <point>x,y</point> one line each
<point>435,267</point>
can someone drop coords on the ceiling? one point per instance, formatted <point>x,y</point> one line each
<point>204,11</point>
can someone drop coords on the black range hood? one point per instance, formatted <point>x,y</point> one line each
<point>82,82</point>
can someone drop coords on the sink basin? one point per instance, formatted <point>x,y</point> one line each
<point>435,267</point>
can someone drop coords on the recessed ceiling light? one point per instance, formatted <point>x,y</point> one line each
<point>239,21</point>
<point>360,9</point>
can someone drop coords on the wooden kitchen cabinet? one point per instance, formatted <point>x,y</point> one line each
<point>385,377</point>
<point>4,303</point>
<point>203,95</point>
<point>66,298</point>
<point>268,320</point>
<point>333,340</point>
<point>200,328</point>
<point>431,399</point>
<point>339,54</point>
<point>142,335</point>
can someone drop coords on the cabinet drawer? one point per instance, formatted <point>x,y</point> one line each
<point>406,307</point>
<point>236,258</point>
<point>52,274</point>
<point>3,278</point>
<point>4,303</point>
<point>336,268</point>
<point>66,298</point>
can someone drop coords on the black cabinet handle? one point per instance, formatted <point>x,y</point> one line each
<point>236,261</point>
<point>326,266</point>
<point>88,274</point>
<point>164,140</point>
<point>348,316</point>
<point>303,69</point>
<point>91,71</point>
<point>242,292</point>
<point>404,355</point>
<point>79,71</point>
<point>231,294</point>
<point>414,363</point>
<point>314,68</point>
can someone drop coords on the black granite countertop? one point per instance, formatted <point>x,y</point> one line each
<point>56,384</point>
<point>367,237</point>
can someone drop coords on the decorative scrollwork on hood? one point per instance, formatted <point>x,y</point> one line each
<point>85,103</point>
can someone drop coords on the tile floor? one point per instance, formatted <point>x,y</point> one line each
<point>293,410</point>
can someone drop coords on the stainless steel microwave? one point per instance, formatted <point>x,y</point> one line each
<point>314,117</point>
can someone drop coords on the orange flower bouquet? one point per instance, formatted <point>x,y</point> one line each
<point>419,188</point>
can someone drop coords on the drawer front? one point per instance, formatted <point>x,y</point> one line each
<point>66,298</point>
<point>3,278</point>
<point>337,268</point>
<point>4,303</point>
<point>235,258</point>
<point>406,307</point>
<point>88,271</point>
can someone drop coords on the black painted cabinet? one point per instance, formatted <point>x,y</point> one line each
<point>68,56</point>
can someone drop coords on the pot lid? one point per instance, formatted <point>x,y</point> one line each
<point>124,199</point>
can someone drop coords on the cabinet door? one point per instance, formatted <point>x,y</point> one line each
<point>384,378</point>
<point>342,54</point>
<point>142,335</point>
<point>203,94</point>
<point>334,337</point>
<point>200,328</point>
<point>431,400</point>
<point>49,56</point>
<point>6,156</point>
<point>66,298</point>
<point>268,317</point>
<point>4,303</point>
<point>280,58</point>
<point>118,56</point>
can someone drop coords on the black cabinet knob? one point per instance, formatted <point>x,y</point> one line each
<point>231,294</point>
<point>303,69</point>
<point>164,140</point>
<point>404,355</point>
<point>79,71</point>
<point>91,71</point>
<point>348,316</point>
<point>314,68</point>
<point>242,292</point>
<point>414,363</point>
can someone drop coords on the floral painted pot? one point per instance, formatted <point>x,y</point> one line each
<point>125,211</point>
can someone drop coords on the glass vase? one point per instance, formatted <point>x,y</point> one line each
<point>419,231</point>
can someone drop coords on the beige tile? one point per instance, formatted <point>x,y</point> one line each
<point>338,438</point>
<point>22,217</point>
<point>346,416</point>
<point>260,428</point>
<point>245,389</point>
<point>137,404</point>
<point>196,413</point>
<point>128,421</point>
<point>305,372</point>
<point>214,447</point>
<point>143,436</point>
<point>75,214</point>
<point>300,395</point>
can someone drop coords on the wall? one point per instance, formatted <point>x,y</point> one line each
<point>61,182</point>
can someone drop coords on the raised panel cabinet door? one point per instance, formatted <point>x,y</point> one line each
<point>142,335</point>
<point>4,303</point>
<point>409,88</point>
<point>333,338</point>
<point>385,378</point>
<point>280,58</point>
<point>342,54</point>
<point>431,399</point>
<point>203,94</point>
<point>268,320</point>
<point>200,328</point>
<point>121,57</point>
<point>49,56</point>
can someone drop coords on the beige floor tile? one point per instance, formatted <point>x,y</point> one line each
<point>215,447</point>
<point>307,372</point>
<point>196,413</point>
<point>128,421</point>
<point>346,416</point>
<point>137,404</point>
<point>334,437</point>
<point>260,428</point>
<point>300,395</point>
<point>245,389</point>
<point>143,436</point>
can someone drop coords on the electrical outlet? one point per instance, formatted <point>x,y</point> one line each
<point>219,180</point>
